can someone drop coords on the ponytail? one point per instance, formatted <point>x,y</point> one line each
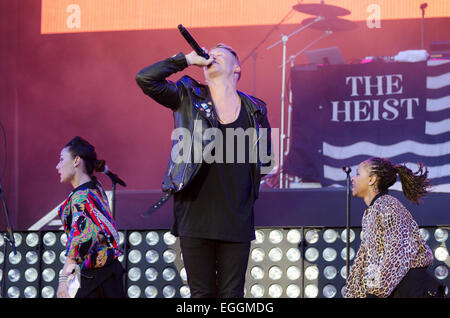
<point>415,185</point>
<point>99,165</point>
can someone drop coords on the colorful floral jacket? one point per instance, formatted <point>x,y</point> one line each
<point>92,237</point>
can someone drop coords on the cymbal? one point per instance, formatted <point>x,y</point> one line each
<point>331,23</point>
<point>321,9</point>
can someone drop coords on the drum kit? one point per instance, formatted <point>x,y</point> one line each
<point>328,19</point>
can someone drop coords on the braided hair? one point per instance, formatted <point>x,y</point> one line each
<point>415,185</point>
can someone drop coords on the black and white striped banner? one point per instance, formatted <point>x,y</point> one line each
<point>344,114</point>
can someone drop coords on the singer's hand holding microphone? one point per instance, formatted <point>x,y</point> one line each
<point>194,59</point>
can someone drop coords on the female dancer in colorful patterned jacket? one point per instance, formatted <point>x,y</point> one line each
<point>92,237</point>
<point>393,258</point>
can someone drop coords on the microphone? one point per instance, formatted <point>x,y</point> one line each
<point>192,42</point>
<point>347,169</point>
<point>423,6</point>
<point>114,177</point>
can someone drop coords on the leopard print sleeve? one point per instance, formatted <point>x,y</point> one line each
<point>356,288</point>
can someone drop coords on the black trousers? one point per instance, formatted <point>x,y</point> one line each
<point>215,269</point>
<point>105,282</point>
<point>419,283</point>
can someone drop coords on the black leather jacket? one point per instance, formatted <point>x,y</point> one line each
<point>185,98</point>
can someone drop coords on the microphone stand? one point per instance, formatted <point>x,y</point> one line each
<point>115,179</point>
<point>291,61</point>
<point>422,7</point>
<point>8,239</point>
<point>284,39</point>
<point>347,170</point>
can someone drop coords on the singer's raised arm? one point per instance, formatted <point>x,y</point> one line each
<point>152,80</point>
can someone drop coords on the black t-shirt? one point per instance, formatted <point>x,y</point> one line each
<point>218,203</point>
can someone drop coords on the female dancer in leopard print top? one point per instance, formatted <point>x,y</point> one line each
<point>391,248</point>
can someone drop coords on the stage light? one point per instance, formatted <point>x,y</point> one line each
<point>169,256</point>
<point>312,236</point>
<point>48,292</point>
<point>344,253</point>
<point>151,274</point>
<point>49,257</point>
<point>329,254</point>
<point>169,239</point>
<point>185,292</point>
<point>275,273</point>
<point>49,239</point>
<point>134,256</point>
<point>344,235</point>
<point>424,234</point>
<point>183,274</point>
<point>293,254</point>
<point>259,237</point>
<point>441,254</point>
<point>151,292</point>
<point>152,256</point>
<point>31,274</point>
<point>275,236</point>
<point>293,291</point>
<point>440,235</point>
<point>311,291</point>
<point>257,291</point>
<point>441,272</point>
<point>283,262</point>
<point>312,272</point>
<point>330,272</point>
<point>134,274</point>
<point>14,275</point>
<point>134,291</point>
<point>13,292</point>
<point>275,291</point>
<point>15,258</point>
<point>257,255</point>
<point>135,238</point>
<point>31,257</point>
<point>257,272</point>
<point>32,239</point>
<point>330,236</point>
<point>293,273</point>
<point>312,254</point>
<point>169,291</point>
<point>18,239</point>
<point>121,238</point>
<point>159,272</point>
<point>48,275</point>
<point>344,272</point>
<point>275,254</point>
<point>30,292</point>
<point>168,274</point>
<point>294,236</point>
<point>329,291</point>
<point>152,238</point>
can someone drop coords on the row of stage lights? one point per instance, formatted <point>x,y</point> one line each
<point>283,262</point>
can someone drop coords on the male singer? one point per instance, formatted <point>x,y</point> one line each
<point>213,201</point>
